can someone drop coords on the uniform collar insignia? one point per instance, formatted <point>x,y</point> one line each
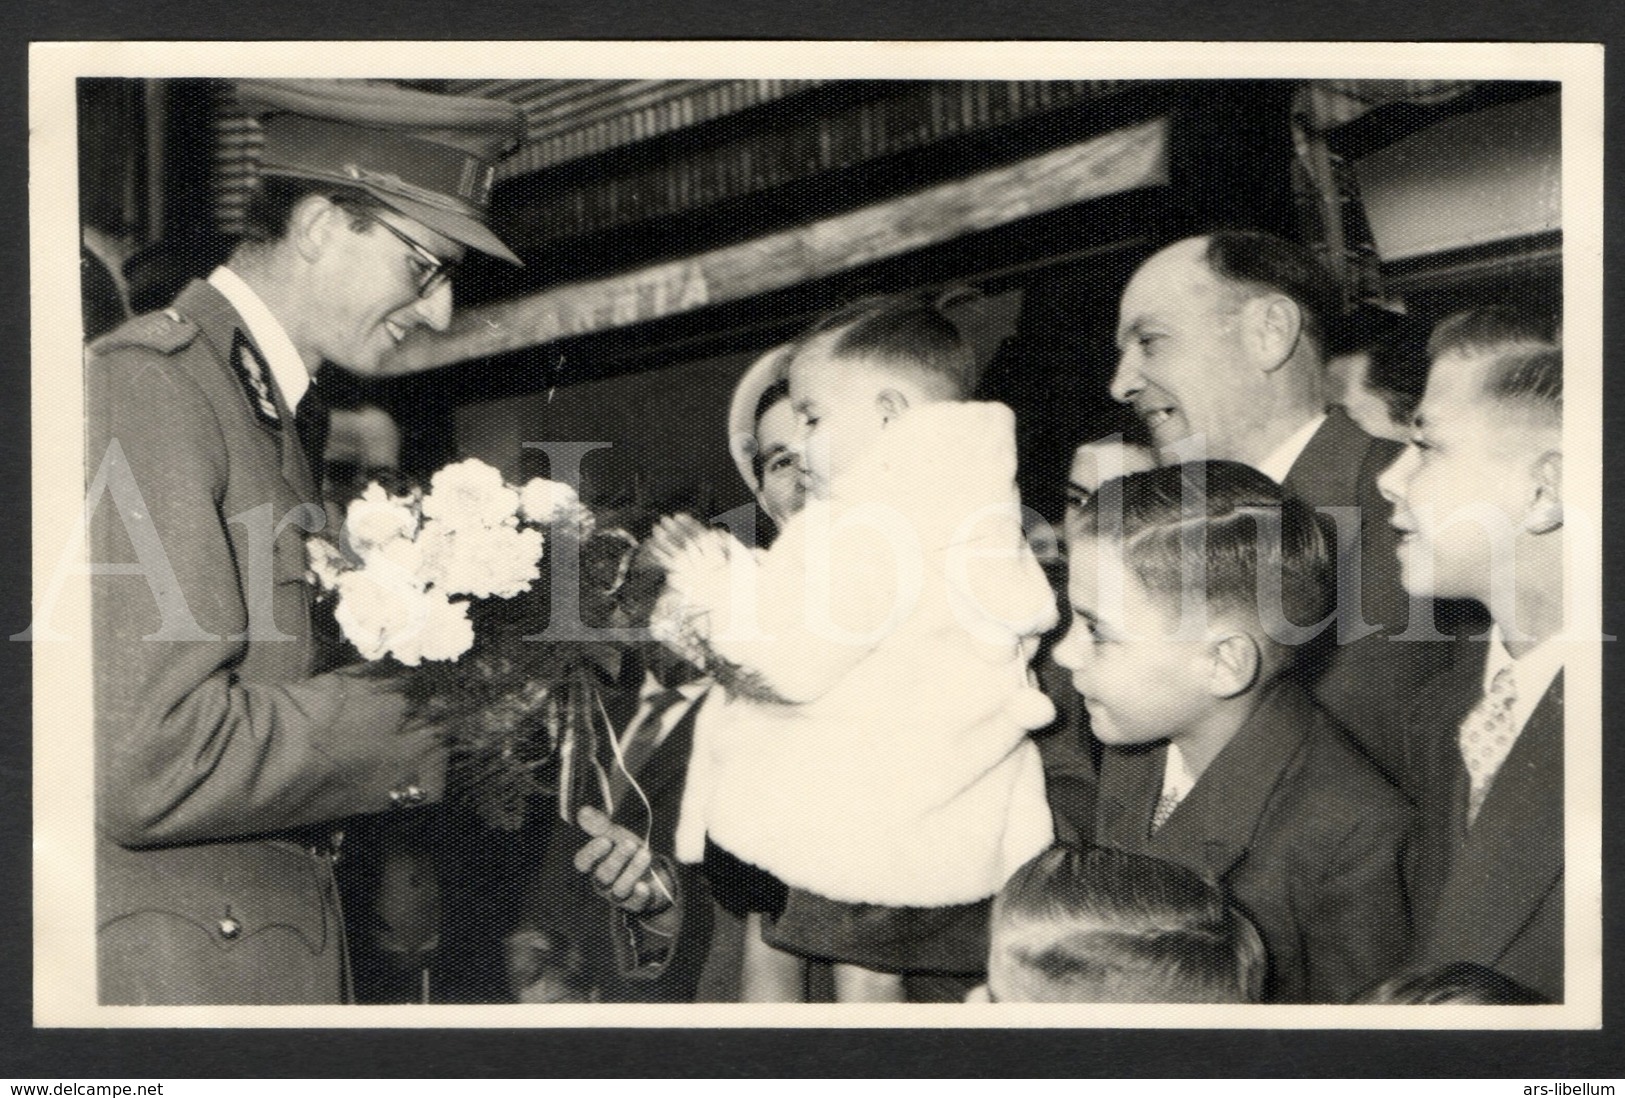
<point>254,374</point>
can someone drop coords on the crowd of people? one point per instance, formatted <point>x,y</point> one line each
<point>1286,725</point>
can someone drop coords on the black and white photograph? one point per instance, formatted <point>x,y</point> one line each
<point>783,535</point>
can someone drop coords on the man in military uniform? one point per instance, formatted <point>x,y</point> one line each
<point>221,760</point>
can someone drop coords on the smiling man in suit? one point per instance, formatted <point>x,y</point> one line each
<point>1478,502</point>
<point>221,759</point>
<point>1223,342</point>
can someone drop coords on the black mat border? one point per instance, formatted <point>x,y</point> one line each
<point>66,1055</point>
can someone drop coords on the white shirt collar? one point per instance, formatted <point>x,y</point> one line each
<point>1281,460</point>
<point>1532,673</point>
<point>269,336</point>
<point>1176,775</point>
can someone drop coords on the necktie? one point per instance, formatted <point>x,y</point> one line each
<point>1165,808</point>
<point>641,742</point>
<point>310,423</point>
<point>1176,783</point>
<point>1486,737</point>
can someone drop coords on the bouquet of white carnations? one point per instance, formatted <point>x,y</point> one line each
<point>451,592</point>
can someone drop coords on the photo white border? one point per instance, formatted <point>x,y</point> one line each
<point>64,908</point>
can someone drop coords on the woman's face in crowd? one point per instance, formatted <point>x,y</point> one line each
<point>1093,464</point>
<point>779,441</point>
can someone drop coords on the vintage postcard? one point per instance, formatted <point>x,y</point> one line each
<point>812,534</point>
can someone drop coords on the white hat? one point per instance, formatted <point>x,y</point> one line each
<point>761,376</point>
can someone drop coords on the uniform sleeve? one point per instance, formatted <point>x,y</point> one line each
<point>1358,932</point>
<point>187,750</point>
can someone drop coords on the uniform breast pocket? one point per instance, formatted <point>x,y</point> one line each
<point>268,541</point>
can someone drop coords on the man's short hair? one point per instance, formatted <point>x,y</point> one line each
<point>1491,329</point>
<point>1259,262</point>
<point>909,333</point>
<point>1231,520</point>
<point>1103,925</point>
<point>273,198</point>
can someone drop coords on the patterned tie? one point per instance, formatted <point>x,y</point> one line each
<point>1486,736</point>
<point>1165,808</point>
<point>641,743</point>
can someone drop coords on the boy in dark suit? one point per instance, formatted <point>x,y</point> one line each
<point>1223,342</point>
<point>1478,502</point>
<point>1189,587</point>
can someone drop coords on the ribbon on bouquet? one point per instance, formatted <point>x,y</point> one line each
<point>576,723</point>
<point>572,725</point>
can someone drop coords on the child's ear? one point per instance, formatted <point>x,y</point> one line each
<point>1545,512</point>
<point>892,403</point>
<point>1234,663</point>
<point>1271,327</point>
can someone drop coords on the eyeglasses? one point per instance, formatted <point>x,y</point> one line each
<point>430,271</point>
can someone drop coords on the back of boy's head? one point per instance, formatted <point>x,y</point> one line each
<point>1461,984</point>
<point>908,336</point>
<point>1227,534</point>
<point>1103,925</point>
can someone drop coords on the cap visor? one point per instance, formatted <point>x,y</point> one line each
<point>459,227</point>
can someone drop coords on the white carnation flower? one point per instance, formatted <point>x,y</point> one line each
<point>376,517</point>
<point>376,608</point>
<point>470,494</point>
<point>399,560</point>
<point>484,561</point>
<point>326,563</point>
<point>436,544</point>
<point>678,626</point>
<point>543,500</point>
<point>444,633</point>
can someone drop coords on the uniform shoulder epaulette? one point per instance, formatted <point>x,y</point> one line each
<point>165,332</point>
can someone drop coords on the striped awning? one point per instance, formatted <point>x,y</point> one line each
<point>571,119</point>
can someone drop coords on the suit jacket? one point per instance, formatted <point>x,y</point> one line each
<point>1305,836</point>
<point>215,745</point>
<point>1493,894</point>
<point>1368,681</point>
<point>620,959</point>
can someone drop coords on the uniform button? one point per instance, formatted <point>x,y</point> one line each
<point>230,928</point>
